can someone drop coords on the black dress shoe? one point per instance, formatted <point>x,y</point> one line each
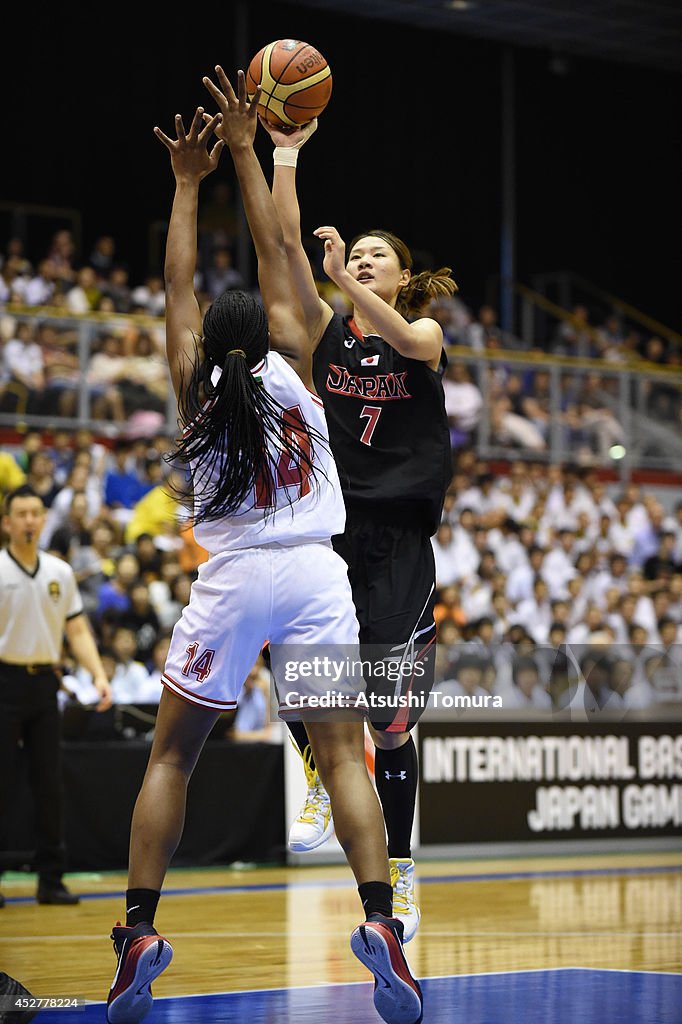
<point>56,894</point>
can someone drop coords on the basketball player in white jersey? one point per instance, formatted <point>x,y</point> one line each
<point>267,501</point>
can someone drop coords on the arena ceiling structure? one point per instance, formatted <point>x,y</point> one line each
<point>644,32</point>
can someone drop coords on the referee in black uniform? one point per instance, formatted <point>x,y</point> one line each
<point>39,603</point>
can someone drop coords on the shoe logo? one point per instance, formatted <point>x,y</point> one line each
<point>129,909</point>
<point>119,965</point>
<point>402,775</point>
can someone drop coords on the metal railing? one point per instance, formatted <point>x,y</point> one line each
<point>627,416</point>
<point>81,336</point>
<point>642,403</point>
<point>567,290</point>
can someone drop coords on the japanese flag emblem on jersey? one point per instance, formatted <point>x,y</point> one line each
<point>370,361</point>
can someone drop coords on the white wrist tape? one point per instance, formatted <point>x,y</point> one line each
<point>284,156</point>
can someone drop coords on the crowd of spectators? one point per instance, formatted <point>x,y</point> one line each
<point>536,570</point>
<point>42,363</point>
<point>526,563</point>
<point>118,516</point>
<point>40,360</point>
<point>520,410</point>
<point>552,591</point>
<point>100,281</point>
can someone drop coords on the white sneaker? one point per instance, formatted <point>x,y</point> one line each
<point>314,824</point>
<point>404,903</point>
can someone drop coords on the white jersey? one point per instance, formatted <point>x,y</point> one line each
<point>34,607</point>
<point>309,508</point>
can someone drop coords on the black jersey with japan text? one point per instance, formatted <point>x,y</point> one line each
<point>387,423</point>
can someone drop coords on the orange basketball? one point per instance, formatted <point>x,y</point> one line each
<point>296,82</point>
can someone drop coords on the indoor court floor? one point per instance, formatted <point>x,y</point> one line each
<point>589,939</point>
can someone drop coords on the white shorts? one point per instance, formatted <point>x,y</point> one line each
<point>241,600</point>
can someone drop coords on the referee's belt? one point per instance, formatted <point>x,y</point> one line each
<point>32,669</point>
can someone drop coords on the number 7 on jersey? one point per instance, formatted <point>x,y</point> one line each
<point>371,413</point>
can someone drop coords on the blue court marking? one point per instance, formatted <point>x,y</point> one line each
<point>563,996</point>
<point>344,883</point>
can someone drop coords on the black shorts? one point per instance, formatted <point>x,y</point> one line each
<point>392,575</point>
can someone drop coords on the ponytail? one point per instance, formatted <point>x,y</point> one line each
<point>424,288</point>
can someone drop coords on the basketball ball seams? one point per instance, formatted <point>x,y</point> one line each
<point>267,81</point>
<point>304,46</point>
<point>305,96</point>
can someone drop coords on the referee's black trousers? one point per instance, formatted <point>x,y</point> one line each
<point>29,716</point>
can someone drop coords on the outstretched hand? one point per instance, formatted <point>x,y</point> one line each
<point>334,251</point>
<point>238,120</point>
<point>289,138</point>
<point>190,157</point>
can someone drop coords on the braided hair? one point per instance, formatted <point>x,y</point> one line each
<point>228,422</point>
<point>422,288</point>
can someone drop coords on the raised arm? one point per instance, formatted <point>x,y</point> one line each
<point>422,340</point>
<point>191,161</point>
<point>317,312</point>
<point>237,127</point>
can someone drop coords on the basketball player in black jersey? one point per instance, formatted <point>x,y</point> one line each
<point>231,454</point>
<point>378,373</point>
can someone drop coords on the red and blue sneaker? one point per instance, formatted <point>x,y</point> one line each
<point>142,955</point>
<point>378,944</point>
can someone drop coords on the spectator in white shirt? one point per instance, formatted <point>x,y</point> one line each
<point>150,297</point>
<point>447,569</point>
<point>505,542</point>
<point>583,632</point>
<point>478,332</point>
<point>468,680</point>
<point>131,683</point>
<point>159,655</point>
<point>24,363</point>
<point>558,567</point>
<point>535,613</point>
<point>623,617</point>
<point>637,515</point>
<point>612,577</point>
<point>667,680</point>
<point>480,497</point>
<point>597,691</point>
<point>85,295</point>
<point>520,578</point>
<point>477,590</point>
<point>12,281</point>
<point>526,690</point>
<point>645,613</point>
<point>565,504</point>
<point>41,288</point>
<point>464,550</point>
<point>517,499</point>
<point>600,498</point>
<point>602,537</point>
<point>621,534</point>
<point>80,480</point>
<point>463,403</point>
